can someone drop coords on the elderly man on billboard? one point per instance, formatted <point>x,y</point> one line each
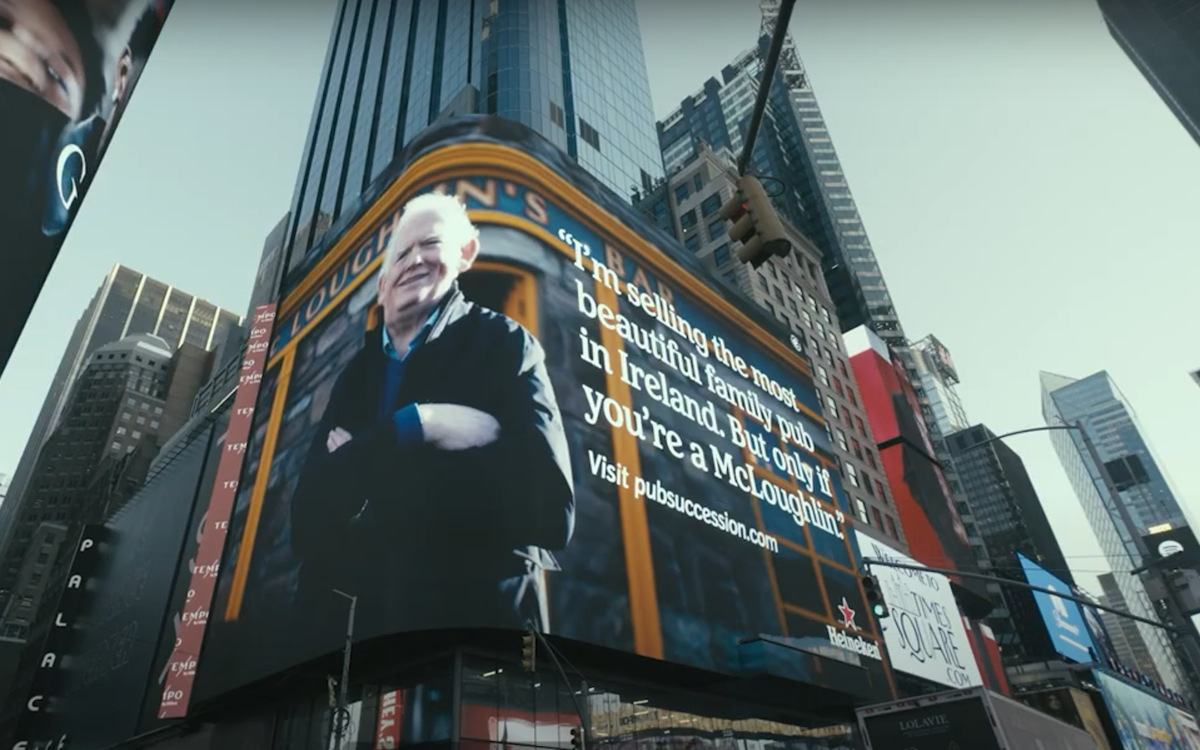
<point>439,475</point>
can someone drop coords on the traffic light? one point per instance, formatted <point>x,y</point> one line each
<point>874,598</point>
<point>529,651</point>
<point>576,738</point>
<point>755,224</point>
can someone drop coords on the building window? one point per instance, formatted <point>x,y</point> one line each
<point>807,318</point>
<point>867,485</point>
<point>823,375</point>
<point>716,230</point>
<point>857,449</point>
<point>557,116</point>
<point>841,439</point>
<point>862,429</point>
<point>711,205</point>
<point>833,409</point>
<point>852,477</point>
<point>698,182</point>
<point>850,397</point>
<point>870,458</point>
<point>158,411</point>
<point>692,243</point>
<point>891,527</point>
<point>825,315</point>
<point>688,220</point>
<point>878,517</point>
<point>116,446</point>
<point>682,192</point>
<point>141,420</point>
<point>837,385</point>
<point>154,424</point>
<point>862,511</point>
<point>882,491</point>
<point>121,430</point>
<point>136,435</point>
<point>589,134</point>
<point>721,255</point>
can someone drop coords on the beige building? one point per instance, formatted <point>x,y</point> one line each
<point>792,290</point>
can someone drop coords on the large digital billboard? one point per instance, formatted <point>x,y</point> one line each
<point>925,634</point>
<point>1143,721</point>
<point>67,69</point>
<point>529,413</point>
<point>1063,618</point>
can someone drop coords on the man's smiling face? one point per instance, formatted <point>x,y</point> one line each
<point>431,250</point>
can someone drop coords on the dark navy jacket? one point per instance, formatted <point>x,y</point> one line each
<point>425,537</point>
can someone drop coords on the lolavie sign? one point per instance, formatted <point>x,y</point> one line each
<point>181,668</point>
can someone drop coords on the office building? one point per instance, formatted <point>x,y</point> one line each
<point>130,397</point>
<point>4,480</point>
<point>1122,491</point>
<point>1006,518</point>
<point>1162,38</point>
<point>937,377</point>
<point>1127,641</point>
<point>573,72</point>
<point>127,303</point>
<point>794,147</point>
<point>794,292</point>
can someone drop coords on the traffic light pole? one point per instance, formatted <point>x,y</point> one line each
<point>764,84</point>
<point>869,561</point>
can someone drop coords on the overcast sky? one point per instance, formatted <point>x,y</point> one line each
<point>1031,200</point>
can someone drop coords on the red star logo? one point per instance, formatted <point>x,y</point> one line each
<point>847,614</point>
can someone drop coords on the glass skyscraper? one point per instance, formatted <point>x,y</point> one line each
<point>1138,484</point>
<point>1004,516</point>
<point>127,303</point>
<point>794,147</point>
<point>572,70</point>
<point>1162,38</point>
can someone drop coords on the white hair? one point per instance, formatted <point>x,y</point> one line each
<point>449,207</point>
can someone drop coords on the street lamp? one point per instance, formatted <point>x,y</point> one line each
<point>341,714</point>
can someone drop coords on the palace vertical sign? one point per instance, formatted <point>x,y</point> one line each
<point>181,668</point>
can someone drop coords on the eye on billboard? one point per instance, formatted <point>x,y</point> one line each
<point>523,412</point>
<point>1063,619</point>
<point>925,635</point>
<point>68,69</point>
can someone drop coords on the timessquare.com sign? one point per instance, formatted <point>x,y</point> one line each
<point>181,669</point>
<point>925,635</point>
<point>33,724</point>
<point>661,481</point>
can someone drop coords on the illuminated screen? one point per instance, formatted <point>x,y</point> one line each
<point>57,116</point>
<point>607,447</point>
<point>1063,618</point>
<point>1144,722</point>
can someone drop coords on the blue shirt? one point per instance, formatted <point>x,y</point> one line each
<point>406,419</point>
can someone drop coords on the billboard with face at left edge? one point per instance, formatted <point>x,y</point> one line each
<point>71,66</point>
<point>683,426</point>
